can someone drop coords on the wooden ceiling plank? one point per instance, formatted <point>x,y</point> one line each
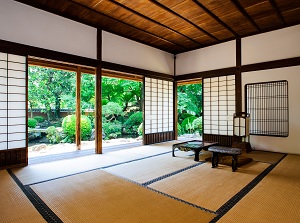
<point>76,3</point>
<point>274,6</point>
<point>178,15</point>
<point>152,20</point>
<point>216,18</point>
<point>245,14</point>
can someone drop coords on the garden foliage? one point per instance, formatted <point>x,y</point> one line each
<point>39,119</point>
<point>69,127</point>
<point>32,122</point>
<point>133,122</point>
<point>54,135</point>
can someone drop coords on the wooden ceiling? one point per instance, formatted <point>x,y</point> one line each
<point>178,26</point>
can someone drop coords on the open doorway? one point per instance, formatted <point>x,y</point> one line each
<point>59,95</point>
<point>189,108</point>
<point>51,98</point>
<point>122,112</point>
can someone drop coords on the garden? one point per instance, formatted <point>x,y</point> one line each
<point>52,103</point>
<point>189,110</point>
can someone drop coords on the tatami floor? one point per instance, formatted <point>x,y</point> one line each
<point>147,184</point>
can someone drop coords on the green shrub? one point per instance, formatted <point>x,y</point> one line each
<point>69,127</point>
<point>197,125</point>
<point>111,110</point>
<point>54,135</point>
<point>32,123</point>
<point>39,119</point>
<point>183,116</point>
<point>187,124</point>
<point>140,129</point>
<point>132,123</point>
<point>179,129</point>
<point>111,129</point>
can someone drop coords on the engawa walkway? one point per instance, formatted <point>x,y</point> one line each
<point>79,153</point>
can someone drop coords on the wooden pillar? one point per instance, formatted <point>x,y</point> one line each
<point>238,83</point>
<point>78,109</point>
<point>144,117</point>
<point>175,113</point>
<point>238,77</point>
<point>98,96</point>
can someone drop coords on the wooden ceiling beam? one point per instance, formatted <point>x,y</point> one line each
<point>152,20</point>
<point>216,18</point>
<point>275,8</point>
<point>245,14</point>
<point>180,16</point>
<point>116,20</point>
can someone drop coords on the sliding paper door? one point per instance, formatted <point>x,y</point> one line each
<point>218,108</point>
<point>158,111</point>
<point>13,110</point>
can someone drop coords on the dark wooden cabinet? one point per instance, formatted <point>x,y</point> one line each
<point>13,158</point>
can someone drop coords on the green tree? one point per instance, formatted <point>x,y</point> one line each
<point>190,107</point>
<point>124,92</point>
<point>190,99</point>
<point>47,87</point>
<point>87,91</point>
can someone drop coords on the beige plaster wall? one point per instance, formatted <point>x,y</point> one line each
<point>290,144</point>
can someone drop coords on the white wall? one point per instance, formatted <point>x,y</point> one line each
<point>275,45</point>
<point>290,144</point>
<point>208,58</point>
<point>123,51</point>
<point>30,26</point>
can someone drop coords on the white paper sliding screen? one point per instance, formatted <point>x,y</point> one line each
<point>13,86</point>
<point>158,108</point>
<point>218,105</point>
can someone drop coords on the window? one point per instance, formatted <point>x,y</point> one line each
<point>267,104</point>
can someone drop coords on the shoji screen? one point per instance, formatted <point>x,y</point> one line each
<point>158,107</point>
<point>12,102</point>
<point>218,105</point>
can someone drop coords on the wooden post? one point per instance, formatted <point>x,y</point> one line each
<point>238,83</point>
<point>238,77</point>
<point>175,113</point>
<point>78,109</point>
<point>98,96</point>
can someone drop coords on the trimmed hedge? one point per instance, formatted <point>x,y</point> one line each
<point>39,119</point>
<point>133,122</point>
<point>32,123</point>
<point>69,127</point>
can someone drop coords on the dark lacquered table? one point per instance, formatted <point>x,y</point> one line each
<point>194,145</point>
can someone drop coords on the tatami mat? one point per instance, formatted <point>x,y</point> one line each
<point>264,156</point>
<point>98,196</point>
<point>14,205</point>
<point>209,187</point>
<point>52,170</point>
<point>149,169</point>
<point>46,171</point>
<point>275,199</point>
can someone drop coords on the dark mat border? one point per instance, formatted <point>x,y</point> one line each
<point>37,202</point>
<point>170,174</point>
<point>242,193</point>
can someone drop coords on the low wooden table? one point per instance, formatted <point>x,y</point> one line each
<point>195,145</point>
<point>216,150</point>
